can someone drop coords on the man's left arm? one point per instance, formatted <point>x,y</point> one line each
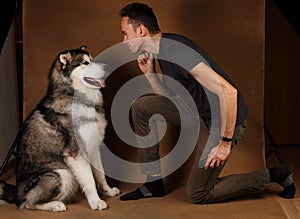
<point>227,94</point>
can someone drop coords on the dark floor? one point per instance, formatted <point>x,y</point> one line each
<point>176,205</point>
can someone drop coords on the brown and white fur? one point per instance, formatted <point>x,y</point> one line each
<point>58,150</point>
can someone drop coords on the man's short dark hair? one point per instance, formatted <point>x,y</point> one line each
<point>138,14</point>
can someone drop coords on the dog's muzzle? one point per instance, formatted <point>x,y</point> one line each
<point>97,82</point>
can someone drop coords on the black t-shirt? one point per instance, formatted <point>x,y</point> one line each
<point>177,56</point>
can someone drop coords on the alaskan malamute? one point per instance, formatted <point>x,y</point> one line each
<point>60,140</point>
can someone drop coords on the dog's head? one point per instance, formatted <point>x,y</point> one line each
<point>77,68</point>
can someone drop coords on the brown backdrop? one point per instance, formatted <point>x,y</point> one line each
<point>231,31</point>
<point>282,102</point>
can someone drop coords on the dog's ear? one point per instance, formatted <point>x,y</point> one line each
<point>64,57</point>
<point>83,47</point>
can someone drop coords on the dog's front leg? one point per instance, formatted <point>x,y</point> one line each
<point>102,184</point>
<point>82,171</point>
<point>99,175</point>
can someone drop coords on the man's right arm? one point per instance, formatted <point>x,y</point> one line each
<point>147,66</point>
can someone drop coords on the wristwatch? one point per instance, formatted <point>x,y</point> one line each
<point>226,139</point>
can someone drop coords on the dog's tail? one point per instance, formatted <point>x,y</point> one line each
<point>8,193</point>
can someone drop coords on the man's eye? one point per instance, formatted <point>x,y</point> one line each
<point>86,63</point>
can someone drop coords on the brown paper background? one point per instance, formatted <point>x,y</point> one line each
<point>231,31</point>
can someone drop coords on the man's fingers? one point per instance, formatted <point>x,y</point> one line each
<point>209,160</point>
<point>207,163</point>
<point>216,163</point>
<point>212,163</point>
<point>145,55</point>
<point>141,61</point>
<point>216,158</point>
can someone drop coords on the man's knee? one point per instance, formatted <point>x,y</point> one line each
<point>140,106</point>
<point>199,197</point>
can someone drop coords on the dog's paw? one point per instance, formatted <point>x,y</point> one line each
<point>111,192</point>
<point>58,207</point>
<point>98,205</point>
<point>54,206</point>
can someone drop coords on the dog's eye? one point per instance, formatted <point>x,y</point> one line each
<point>86,63</point>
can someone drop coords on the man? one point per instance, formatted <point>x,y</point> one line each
<point>210,89</point>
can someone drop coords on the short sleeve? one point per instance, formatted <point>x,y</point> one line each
<point>180,54</point>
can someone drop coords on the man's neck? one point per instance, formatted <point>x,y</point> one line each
<point>153,43</point>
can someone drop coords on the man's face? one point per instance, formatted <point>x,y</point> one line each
<point>131,37</point>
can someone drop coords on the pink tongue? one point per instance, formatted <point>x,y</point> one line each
<point>102,82</point>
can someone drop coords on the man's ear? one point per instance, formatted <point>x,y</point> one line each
<point>143,31</point>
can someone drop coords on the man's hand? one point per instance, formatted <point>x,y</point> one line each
<point>218,155</point>
<point>146,63</point>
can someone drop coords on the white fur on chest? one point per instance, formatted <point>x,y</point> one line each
<point>83,112</point>
<point>90,126</point>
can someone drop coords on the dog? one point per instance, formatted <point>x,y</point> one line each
<point>58,147</point>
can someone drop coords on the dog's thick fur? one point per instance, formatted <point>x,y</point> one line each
<point>58,141</point>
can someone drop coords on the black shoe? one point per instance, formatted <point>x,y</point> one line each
<point>149,189</point>
<point>279,173</point>
<point>283,175</point>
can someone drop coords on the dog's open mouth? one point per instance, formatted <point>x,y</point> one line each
<point>97,82</point>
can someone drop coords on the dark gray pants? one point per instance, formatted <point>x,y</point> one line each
<point>203,186</point>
